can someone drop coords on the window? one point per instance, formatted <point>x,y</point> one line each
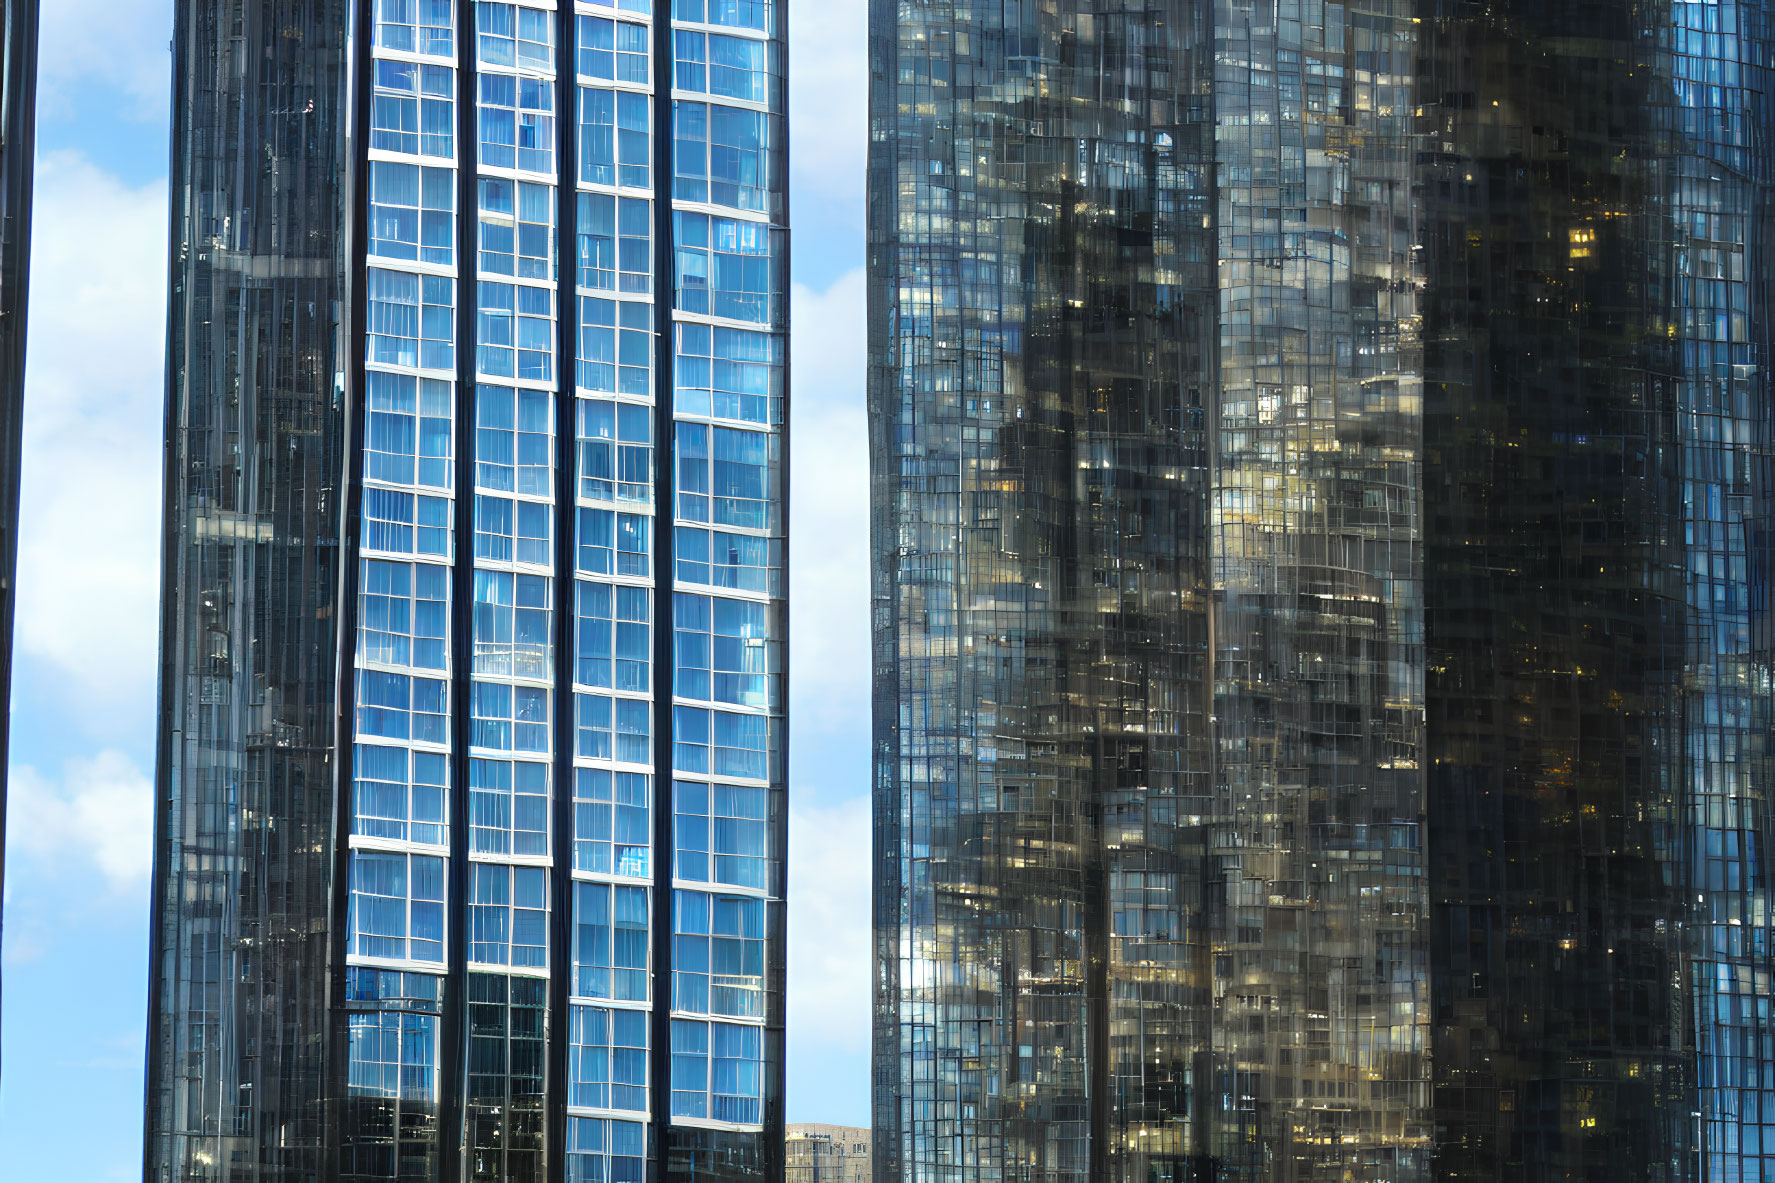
<point>729,374</point>
<point>726,268</point>
<point>733,487</point>
<point>607,1066</point>
<point>515,331</point>
<point>410,320</point>
<point>610,942</point>
<point>512,436</point>
<point>406,523</point>
<point>720,833</point>
<point>723,651</point>
<point>613,137</point>
<point>404,614</point>
<point>717,1071</point>
<point>508,918</point>
<point>615,346</point>
<point>615,451</point>
<point>738,561</point>
<point>399,706</point>
<point>397,906</point>
<point>510,718</point>
<point>611,822</point>
<point>508,807</point>
<point>722,155</point>
<point>517,228</point>
<point>511,624</point>
<point>517,123</point>
<point>600,1151</point>
<point>615,51</point>
<point>511,35</point>
<point>719,742</point>
<point>410,208</point>
<point>399,793</point>
<point>730,67</point>
<point>512,531</point>
<point>416,26</point>
<point>408,428</point>
<point>615,252</point>
<point>718,954</point>
<point>613,729</point>
<point>393,1056</point>
<point>613,657</point>
<point>742,14</point>
<point>412,109</point>
<point>614,543</point>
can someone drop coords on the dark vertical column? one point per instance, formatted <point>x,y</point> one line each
<point>18,91</point>
<point>566,526</point>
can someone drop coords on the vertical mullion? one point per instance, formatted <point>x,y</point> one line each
<point>664,513</point>
<point>566,525</point>
<point>453,1077</point>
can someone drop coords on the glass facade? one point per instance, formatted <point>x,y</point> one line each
<point>545,342</point>
<point>1322,620</point>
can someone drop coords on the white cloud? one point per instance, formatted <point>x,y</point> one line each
<point>829,527</point>
<point>100,812</point>
<point>85,44</point>
<point>828,96</point>
<point>829,941</point>
<point>89,530</point>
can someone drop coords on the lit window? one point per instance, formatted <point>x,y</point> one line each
<point>416,26</point>
<point>508,807</point>
<point>397,906</point>
<point>508,919</point>
<point>719,833</point>
<point>404,614</point>
<point>509,718</point>
<point>413,107</point>
<point>718,954</point>
<point>517,228</point>
<point>729,374</point>
<point>614,543</point>
<point>613,137</point>
<point>610,936</point>
<point>615,235</point>
<point>613,729</point>
<point>398,793</point>
<point>511,624</point>
<point>408,425</point>
<point>410,212</point>
<point>611,822</point>
<point>615,451</point>
<point>723,651</point>
<point>614,638</point>
<point>410,320</point>
<point>517,118</point>
<point>723,156</point>
<point>512,437</point>
<point>512,531</point>
<point>406,523</point>
<point>607,1066</point>
<point>399,706</point>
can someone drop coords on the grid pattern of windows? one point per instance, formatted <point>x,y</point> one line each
<point>721,833</point>
<point>614,637</point>
<point>612,824</point>
<point>615,243</point>
<point>508,922</point>
<point>615,346</point>
<point>414,109</point>
<point>614,543</point>
<point>717,1070</point>
<point>403,613</point>
<point>614,137</point>
<point>718,954</point>
<point>511,625</point>
<point>727,373</point>
<point>610,939</point>
<point>608,1055</point>
<point>417,26</point>
<point>615,51</point>
<point>723,651</point>
<point>410,319</point>
<point>613,728</point>
<point>517,228</point>
<point>408,430</point>
<point>397,906</point>
<point>399,793</point>
<point>600,1151</point>
<point>615,451</point>
<point>411,211</point>
<point>508,807</point>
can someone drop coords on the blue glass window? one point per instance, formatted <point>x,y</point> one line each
<point>408,428</point>
<point>398,793</point>
<point>410,319</point>
<point>615,451</point>
<point>410,212</point>
<point>723,651</point>
<point>614,637</point>
<point>413,108</point>
<point>718,954</point>
<point>613,729</point>
<point>615,346</point>
<point>512,531</point>
<point>416,26</point>
<point>508,807</point>
<point>512,436</point>
<point>729,67</point>
<point>404,614</point>
<point>512,35</point>
<point>406,523</point>
<point>738,14</point>
<point>613,137</point>
<point>510,718</point>
<point>508,919</point>
<point>511,624</point>
<point>610,942</point>
<point>722,155</point>
<point>399,706</point>
<point>720,743</point>
<point>726,476</point>
<point>517,117</point>
<point>517,228</point>
<point>719,559</point>
<point>515,331</point>
<point>397,906</point>
<point>726,267</point>
<point>616,51</point>
<point>717,1071</point>
<point>612,824</point>
<point>601,1151</point>
<point>615,243</point>
<point>607,1066</point>
<point>720,834</point>
<point>615,543</point>
<point>727,373</point>
<point>393,1056</point>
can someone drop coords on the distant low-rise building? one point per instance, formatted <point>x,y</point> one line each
<point>826,1154</point>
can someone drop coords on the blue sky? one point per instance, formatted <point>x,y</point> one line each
<point>79,834</point>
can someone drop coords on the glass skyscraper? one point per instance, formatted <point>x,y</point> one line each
<point>471,800</point>
<point>1322,514</point>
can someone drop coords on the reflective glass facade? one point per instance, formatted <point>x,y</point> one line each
<point>489,846</point>
<point>1321,591</point>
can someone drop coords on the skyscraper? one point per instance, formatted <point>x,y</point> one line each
<point>1321,484</point>
<point>471,804</point>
